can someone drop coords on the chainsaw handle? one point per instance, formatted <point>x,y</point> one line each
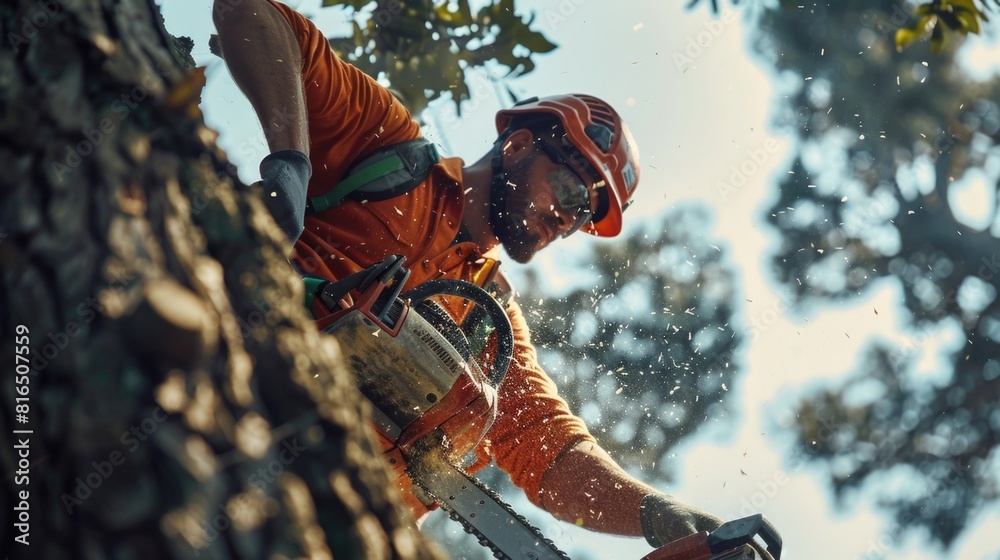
<point>741,531</point>
<point>475,294</point>
<point>382,272</point>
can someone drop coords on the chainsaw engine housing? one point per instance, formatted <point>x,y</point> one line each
<point>416,380</point>
<point>408,366</point>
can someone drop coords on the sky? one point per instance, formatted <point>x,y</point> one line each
<point>699,106</point>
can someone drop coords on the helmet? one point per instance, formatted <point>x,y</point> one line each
<point>596,131</point>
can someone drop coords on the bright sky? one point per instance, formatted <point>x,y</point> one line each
<point>698,106</point>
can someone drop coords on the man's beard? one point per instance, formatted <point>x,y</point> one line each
<point>509,210</point>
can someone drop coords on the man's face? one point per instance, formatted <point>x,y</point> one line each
<point>536,198</point>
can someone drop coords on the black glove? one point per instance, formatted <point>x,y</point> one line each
<point>285,178</point>
<point>665,520</point>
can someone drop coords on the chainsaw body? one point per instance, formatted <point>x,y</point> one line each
<point>412,361</point>
<point>416,380</point>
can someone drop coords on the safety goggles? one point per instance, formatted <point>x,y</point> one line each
<point>570,189</point>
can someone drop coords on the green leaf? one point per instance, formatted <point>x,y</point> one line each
<point>512,95</point>
<point>951,20</point>
<point>360,37</point>
<point>411,28</point>
<point>503,12</point>
<point>484,16</point>
<point>527,65</point>
<point>970,24</point>
<point>465,10</point>
<point>520,67</point>
<point>937,39</point>
<point>506,58</point>
<point>906,36</point>
<point>964,4</point>
<point>459,93</point>
<point>535,42</point>
<point>450,18</point>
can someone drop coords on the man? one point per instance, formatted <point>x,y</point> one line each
<point>560,164</point>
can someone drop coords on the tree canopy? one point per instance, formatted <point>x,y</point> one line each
<point>424,48</point>
<point>885,140</point>
<point>931,21</point>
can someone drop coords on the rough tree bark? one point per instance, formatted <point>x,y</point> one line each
<point>181,402</point>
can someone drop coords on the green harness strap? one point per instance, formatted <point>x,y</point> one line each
<point>313,285</point>
<point>355,181</point>
<point>387,172</point>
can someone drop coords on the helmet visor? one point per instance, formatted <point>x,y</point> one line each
<point>571,190</point>
<point>573,197</point>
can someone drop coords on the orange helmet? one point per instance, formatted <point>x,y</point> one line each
<point>596,131</point>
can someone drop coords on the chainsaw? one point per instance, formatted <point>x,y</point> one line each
<point>432,401</point>
<point>412,360</point>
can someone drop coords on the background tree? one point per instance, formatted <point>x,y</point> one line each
<point>643,349</point>
<point>423,48</point>
<point>932,20</point>
<point>180,400</point>
<point>884,140</point>
<point>937,18</point>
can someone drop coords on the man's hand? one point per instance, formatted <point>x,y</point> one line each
<point>664,519</point>
<point>284,181</point>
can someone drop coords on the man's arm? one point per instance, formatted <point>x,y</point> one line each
<point>549,453</point>
<point>265,59</point>
<point>263,55</point>
<point>586,487</point>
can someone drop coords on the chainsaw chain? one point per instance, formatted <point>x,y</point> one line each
<point>483,541</point>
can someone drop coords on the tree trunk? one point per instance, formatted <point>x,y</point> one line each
<point>180,403</point>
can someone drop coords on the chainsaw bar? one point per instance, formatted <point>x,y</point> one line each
<point>481,511</point>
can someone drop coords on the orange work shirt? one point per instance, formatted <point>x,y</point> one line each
<point>351,115</point>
